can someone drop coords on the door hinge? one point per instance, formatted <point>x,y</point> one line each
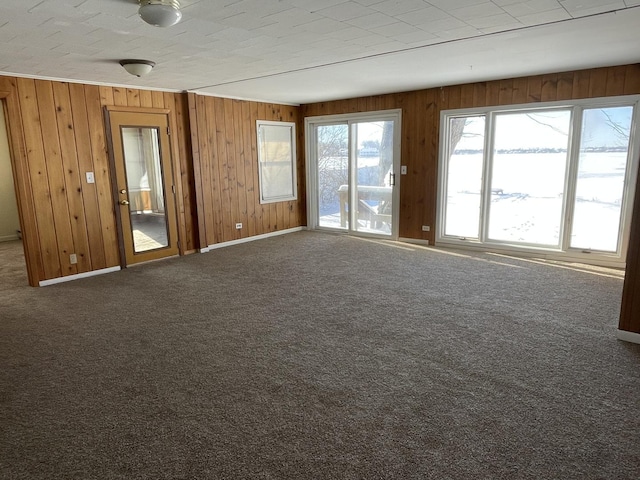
<point>168,131</point>
<point>173,189</point>
<point>392,179</point>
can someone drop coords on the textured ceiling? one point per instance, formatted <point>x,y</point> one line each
<point>301,51</point>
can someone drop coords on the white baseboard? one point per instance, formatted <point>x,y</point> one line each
<point>68,278</point>
<point>628,336</point>
<point>250,239</point>
<point>9,238</point>
<point>416,241</point>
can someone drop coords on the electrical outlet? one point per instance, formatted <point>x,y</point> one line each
<point>73,259</point>
<point>403,170</point>
<point>90,177</point>
<point>238,226</point>
<point>426,228</point>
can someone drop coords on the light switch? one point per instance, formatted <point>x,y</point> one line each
<point>90,177</point>
<point>403,170</point>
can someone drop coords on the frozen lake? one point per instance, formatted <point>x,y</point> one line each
<point>528,193</point>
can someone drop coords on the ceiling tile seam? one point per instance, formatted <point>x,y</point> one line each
<point>409,49</point>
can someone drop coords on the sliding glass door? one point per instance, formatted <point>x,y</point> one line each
<point>353,167</point>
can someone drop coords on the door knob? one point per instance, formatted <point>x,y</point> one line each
<point>124,202</point>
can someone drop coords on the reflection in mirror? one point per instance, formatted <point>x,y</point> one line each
<point>145,188</point>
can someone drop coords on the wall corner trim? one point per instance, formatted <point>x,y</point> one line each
<point>626,336</point>
<point>251,239</point>
<point>69,278</point>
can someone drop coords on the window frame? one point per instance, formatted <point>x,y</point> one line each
<point>564,251</point>
<point>291,127</point>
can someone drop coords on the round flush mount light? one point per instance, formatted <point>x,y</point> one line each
<point>137,68</point>
<point>160,13</point>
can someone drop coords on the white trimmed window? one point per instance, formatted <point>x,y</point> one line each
<point>277,161</point>
<point>554,178</point>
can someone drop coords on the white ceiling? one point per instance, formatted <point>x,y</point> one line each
<point>303,51</point>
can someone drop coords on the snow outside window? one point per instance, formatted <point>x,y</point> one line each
<point>555,177</point>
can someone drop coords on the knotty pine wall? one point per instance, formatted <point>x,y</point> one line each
<point>224,142</point>
<point>57,133</point>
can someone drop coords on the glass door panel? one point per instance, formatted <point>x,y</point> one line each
<point>602,169</point>
<point>149,228</point>
<point>143,188</point>
<point>332,153</point>
<point>374,176</point>
<point>464,176</point>
<point>528,173</point>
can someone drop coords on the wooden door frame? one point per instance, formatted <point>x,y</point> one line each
<point>175,167</point>
<point>10,108</point>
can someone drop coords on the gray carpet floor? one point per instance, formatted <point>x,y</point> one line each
<point>315,356</point>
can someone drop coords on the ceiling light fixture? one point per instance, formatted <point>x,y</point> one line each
<point>160,13</point>
<point>137,67</point>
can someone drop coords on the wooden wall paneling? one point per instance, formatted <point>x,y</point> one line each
<point>200,208</point>
<point>411,157</point>
<point>186,174</point>
<point>133,97</point>
<point>549,88</point>
<point>157,99</point>
<point>479,94</point>
<point>361,104</point>
<point>225,150</point>
<point>217,147</point>
<point>69,156</point>
<point>240,181</point>
<point>85,164</point>
<point>580,87</point>
<point>120,97</point>
<point>431,129</point>
<point>493,93</point>
<point>506,92</point>
<point>266,208</point>
<point>466,95</point>
<point>258,210</point>
<point>520,89</point>
<point>632,79</point>
<point>534,88</point>
<point>223,215</point>
<point>146,99</point>
<point>206,159</point>
<point>22,180</point>
<point>56,176</point>
<point>250,166</point>
<point>598,83</point>
<point>454,97</point>
<point>615,81</point>
<point>94,98</point>
<point>106,95</point>
<point>273,207</point>
<point>564,87</point>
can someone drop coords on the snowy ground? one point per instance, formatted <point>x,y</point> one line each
<point>528,194</point>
